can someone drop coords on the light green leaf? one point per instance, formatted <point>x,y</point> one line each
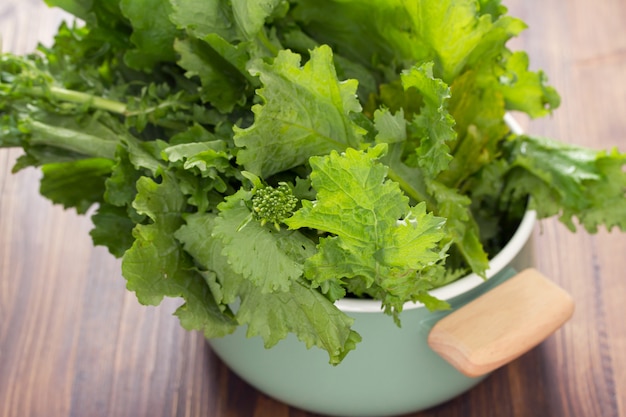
<point>350,28</point>
<point>202,17</point>
<point>452,28</point>
<point>461,228</point>
<point>236,20</point>
<point>271,259</point>
<point>376,235</point>
<point>525,90</point>
<point>449,203</point>
<point>120,186</point>
<point>195,235</point>
<point>207,158</point>
<point>479,116</point>
<point>301,310</point>
<point>391,128</point>
<point>570,181</point>
<point>607,198</point>
<point>156,265</point>
<point>564,168</point>
<point>306,112</point>
<point>250,15</point>
<point>219,66</point>
<point>433,126</point>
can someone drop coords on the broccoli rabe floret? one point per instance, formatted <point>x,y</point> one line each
<point>274,205</point>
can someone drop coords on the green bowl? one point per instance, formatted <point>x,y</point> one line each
<point>392,371</point>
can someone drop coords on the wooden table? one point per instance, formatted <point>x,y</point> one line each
<point>74,342</point>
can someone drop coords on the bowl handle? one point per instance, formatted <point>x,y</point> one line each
<point>502,324</point>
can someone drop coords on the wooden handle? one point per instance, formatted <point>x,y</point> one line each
<point>502,324</point>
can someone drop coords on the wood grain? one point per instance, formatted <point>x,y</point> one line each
<point>74,342</point>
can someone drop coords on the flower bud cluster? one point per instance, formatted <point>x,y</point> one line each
<point>273,205</point>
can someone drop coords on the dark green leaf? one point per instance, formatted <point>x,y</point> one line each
<point>78,184</point>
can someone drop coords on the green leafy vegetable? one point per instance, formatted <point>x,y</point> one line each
<point>376,235</point>
<point>156,265</point>
<point>261,160</point>
<point>306,112</point>
<point>63,182</point>
<point>301,310</point>
<point>569,181</point>
<point>270,258</point>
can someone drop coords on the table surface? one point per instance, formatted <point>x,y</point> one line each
<point>74,342</point>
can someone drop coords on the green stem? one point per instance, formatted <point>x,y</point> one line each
<point>94,102</point>
<point>71,140</point>
<point>59,93</point>
<point>262,36</point>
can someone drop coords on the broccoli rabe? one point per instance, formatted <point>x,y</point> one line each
<point>274,205</point>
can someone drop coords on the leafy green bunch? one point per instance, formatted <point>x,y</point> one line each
<point>262,160</point>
